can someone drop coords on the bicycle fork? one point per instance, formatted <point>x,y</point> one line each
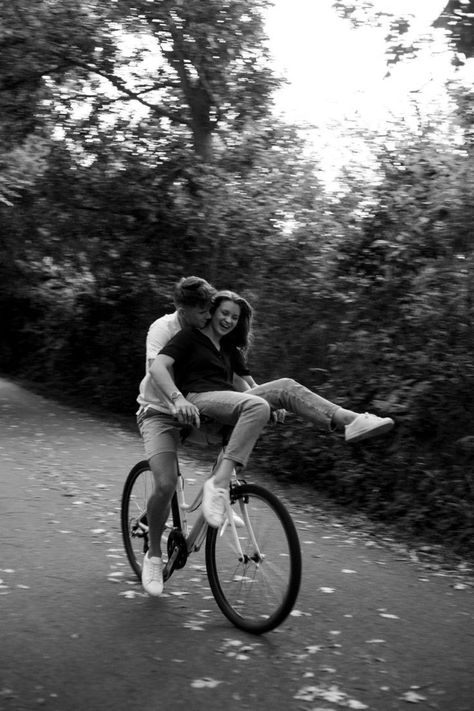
<point>257,556</point>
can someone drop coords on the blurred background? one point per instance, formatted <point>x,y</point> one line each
<point>317,157</point>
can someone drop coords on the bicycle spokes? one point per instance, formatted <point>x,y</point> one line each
<point>255,571</point>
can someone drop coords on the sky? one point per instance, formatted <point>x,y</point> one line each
<point>337,75</point>
<point>332,67</point>
<point>337,83</point>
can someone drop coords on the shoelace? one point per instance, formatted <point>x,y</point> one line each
<point>154,570</point>
<point>219,500</point>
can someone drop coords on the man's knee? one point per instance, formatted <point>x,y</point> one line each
<point>164,467</point>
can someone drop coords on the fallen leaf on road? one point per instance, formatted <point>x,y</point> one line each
<point>194,626</point>
<point>412,697</point>
<point>7,693</point>
<point>132,593</point>
<point>329,693</point>
<point>299,613</point>
<point>206,683</point>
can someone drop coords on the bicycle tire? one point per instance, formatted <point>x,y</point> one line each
<point>136,491</point>
<point>256,595</point>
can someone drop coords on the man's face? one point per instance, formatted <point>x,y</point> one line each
<point>196,316</point>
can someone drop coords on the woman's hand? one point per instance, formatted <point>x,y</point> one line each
<point>185,412</point>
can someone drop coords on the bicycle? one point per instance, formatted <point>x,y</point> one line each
<point>253,564</point>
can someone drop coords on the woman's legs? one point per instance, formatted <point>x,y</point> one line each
<point>288,394</point>
<point>248,414</point>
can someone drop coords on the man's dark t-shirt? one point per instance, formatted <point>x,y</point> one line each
<point>199,367</point>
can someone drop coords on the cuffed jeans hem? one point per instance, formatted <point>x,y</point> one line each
<point>239,464</point>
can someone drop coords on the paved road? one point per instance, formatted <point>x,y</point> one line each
<point>374,627</point>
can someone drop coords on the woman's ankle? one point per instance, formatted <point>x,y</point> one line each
<point>342,417</point>
<point>223,473</point>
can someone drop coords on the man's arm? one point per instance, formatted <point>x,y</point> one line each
<point>157,337</point>
<point>161,370</point>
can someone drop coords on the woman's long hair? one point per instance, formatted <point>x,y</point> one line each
<point>241,335</point>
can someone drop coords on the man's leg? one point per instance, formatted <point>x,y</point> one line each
<point>160,434</point>
<point>165,474</point>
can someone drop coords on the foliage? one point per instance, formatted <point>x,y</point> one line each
<point>401,41</point>
<point>457,18</point>
<point>137,145</point>
<point>403,282</point>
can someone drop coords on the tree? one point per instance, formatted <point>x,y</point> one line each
<point>457,19</point>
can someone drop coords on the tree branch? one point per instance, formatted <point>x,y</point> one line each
<point>120,85</point>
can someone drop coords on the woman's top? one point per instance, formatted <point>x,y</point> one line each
<point>199,367</point>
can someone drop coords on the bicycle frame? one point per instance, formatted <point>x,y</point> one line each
<point>253,562</point>
<point>195,537</point>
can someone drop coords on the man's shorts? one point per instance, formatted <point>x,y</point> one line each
<point>160,431</point>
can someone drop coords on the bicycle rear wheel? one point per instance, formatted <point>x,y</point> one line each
<point>258,590</point>
<point>137,489</point>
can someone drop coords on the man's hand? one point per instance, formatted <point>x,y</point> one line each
<point>185,412</point>
<point>278,415</point>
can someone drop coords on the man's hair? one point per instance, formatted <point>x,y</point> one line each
<point>193,291</point>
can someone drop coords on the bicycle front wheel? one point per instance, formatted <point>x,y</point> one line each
<point>255,584</point>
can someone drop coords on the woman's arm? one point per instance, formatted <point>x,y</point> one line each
<point>161,371</point>
<point>243,382</point>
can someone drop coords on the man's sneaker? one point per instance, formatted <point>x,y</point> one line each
<point>152,575</point>
<point>214,503</point>
<point>367,425</point>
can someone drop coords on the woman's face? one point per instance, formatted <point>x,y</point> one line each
<point>225,317</point>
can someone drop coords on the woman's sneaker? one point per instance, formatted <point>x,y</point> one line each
<point>152,575</point>
<point>214,501</point>
<point>367,425</point>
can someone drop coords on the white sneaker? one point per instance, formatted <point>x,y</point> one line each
<point>367,425</point>
<point>152,575</point>
<point>214,503</point>
<point>239,523</point>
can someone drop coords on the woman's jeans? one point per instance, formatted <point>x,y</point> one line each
<point>250,411</point>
